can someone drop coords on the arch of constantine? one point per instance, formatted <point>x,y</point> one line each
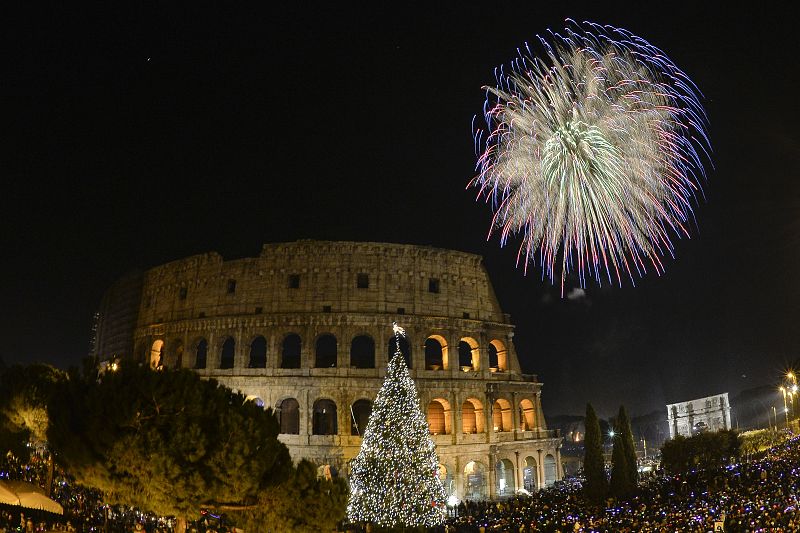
<point>305,328</point>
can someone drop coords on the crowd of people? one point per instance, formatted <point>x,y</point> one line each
<point>760,495</point>
<point>757,495</point>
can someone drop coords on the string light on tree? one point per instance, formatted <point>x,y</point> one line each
<point>394,478</point>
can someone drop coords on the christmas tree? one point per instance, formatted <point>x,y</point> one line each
<point>394,479</point>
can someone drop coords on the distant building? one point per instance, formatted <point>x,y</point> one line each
<point>698,416</point>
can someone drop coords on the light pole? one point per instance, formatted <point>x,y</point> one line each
<point>775,417</point>
<point>785,409</point>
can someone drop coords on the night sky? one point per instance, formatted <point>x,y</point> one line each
<point>137,135</point>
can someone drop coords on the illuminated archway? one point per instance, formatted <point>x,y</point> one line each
<point>527,418</point>
<point>530,474</point>
<point>498,355</point>
<point>475,481</point>
<point>502,415</point>
<point>439,420</point>
<point>157,354</point>
<point>472,416</point>
<point>506,485</point>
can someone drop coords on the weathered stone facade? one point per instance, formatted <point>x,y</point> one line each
<point>305,328</point>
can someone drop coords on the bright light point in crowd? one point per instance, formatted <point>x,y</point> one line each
<point>785,409</point>
<point>452,501</point>
<point>611,434</point>
<point>794,388</point>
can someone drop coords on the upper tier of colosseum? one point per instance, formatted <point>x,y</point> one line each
<point>323,277</point>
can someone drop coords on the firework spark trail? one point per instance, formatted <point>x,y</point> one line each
<point>592,153</point>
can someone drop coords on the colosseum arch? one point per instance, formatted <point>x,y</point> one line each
<point>157,354</point>
<point>289,416</point>
<point>324,419</point>
<point>472,416</point>
<point>527,418</point>
<point>360,412</point>
<point>475,481</point>
<point>290,351</point>
<point>405,349</point>
<point>436,353</point>
<point>362,352</point>
<point>227,352</point>
<point>200,353</point>
<point>325,351</point>
<point>439,417</point>
<point>506,484</point>
<point>175,355</point>
<point>530,474</point>
<point>502,415</point>
<point>498,356</point>
<point>550,470</point>
<point>258,353</point>
<point>468,354</point>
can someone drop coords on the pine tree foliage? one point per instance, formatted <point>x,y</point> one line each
<point>624,473</point>
<point>596,485</point>
<point>166,441</point>
<point>624,428</point>
<point>305,503</point>
<point>394,479</point>
<point>620,482</point>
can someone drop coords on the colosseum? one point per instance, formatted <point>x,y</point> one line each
<point>305,328</point>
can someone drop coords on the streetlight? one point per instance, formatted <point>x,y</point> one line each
<point>785,409</point>
<point>775,416</point>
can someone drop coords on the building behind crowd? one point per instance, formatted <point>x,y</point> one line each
<point>698,416</point>
<point>305,328</point>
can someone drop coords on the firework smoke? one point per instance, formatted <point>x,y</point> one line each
<point>592,153</point>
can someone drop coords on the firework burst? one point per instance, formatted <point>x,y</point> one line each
<point>593,153</point>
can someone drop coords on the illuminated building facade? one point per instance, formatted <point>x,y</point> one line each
<point>305,328</point>
<point>698,416</point>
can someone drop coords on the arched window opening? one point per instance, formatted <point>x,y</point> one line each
<point>359,416</point>
<point>227,354</point>
<point>434,353</point>
<point>550,474</point>
<point>468,355</point>
<point>530,475</point>
<point>527,418</point>
<point>177,351</point>
<point>290,352</point>
<point>157,354</point>
<point>289,416</point>
<point>439,420</point>
<point>505,478</point>
<point>472,416</point>
<point>324,418</point>
<point>201,354</point>
<point>502,415</point>
<point>325,356</point>
<point>362,352</point>
<point>445,475</point>
<point>258,353</point>
<point>498,356</point>
<point>405,349</point>
<point>474,481</point>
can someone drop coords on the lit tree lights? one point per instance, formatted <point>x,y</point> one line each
<point>592,151</point>
<point>394,479</point>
